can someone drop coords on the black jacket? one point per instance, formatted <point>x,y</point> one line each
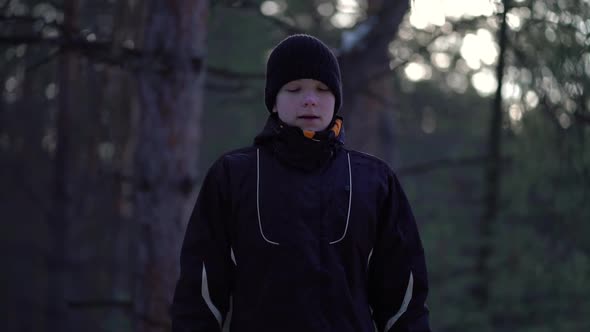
<point>331,248</point>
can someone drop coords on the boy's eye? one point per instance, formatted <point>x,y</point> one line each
<point>323,88</point>
<point>293,89</point>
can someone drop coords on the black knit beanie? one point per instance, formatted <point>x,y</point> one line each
<point>297,57</point>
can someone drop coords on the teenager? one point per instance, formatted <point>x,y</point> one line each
<point>299,232</point>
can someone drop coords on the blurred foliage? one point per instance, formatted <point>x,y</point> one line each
<point>540,263</point>
<point>540,248</point>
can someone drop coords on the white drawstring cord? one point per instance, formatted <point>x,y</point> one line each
<point>258,199</point>
<point>349,200</point>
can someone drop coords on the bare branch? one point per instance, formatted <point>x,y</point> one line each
<point>364,86</point>
<point>582,118</point>
<point>29,20</point>
<point>214,87</point>
<point>5,5</point>
<point>439,164</point>
<point>20,18</point>
<point>233,75</point>
<point>555,25</point>
<point>229,81</point>
<point>101,303</point>
<point>282,24</point>
<point>29,39</point>
<point>110,53</point>
<point>389,70</point>
<point>45,60</point>
<point>385,102</point>
<point>382,74</point>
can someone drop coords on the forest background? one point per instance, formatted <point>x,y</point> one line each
<point>112,111</point>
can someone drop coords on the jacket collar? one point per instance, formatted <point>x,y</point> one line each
<point>305,150</point>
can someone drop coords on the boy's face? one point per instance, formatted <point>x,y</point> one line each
<point>305,103</point>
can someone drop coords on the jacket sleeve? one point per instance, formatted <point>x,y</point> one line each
<point>398,283</point>
<point>202,294</point>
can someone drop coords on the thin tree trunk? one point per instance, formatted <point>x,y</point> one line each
<point>119,86</point>
<point>170,100</point>
<point>492,177</point>
<point>57,311</point>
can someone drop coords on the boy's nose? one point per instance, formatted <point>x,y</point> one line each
<point>310,99</point>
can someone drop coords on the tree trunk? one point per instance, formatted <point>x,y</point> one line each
<point>367,87</point>
<point>170,100</point>
<point>58,266</point>
<point>492,177</point>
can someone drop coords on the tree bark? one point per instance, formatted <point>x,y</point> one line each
<point>492,177</point>
<point>166,156</point>
<point>362,68</point>
<point>58,266</point>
